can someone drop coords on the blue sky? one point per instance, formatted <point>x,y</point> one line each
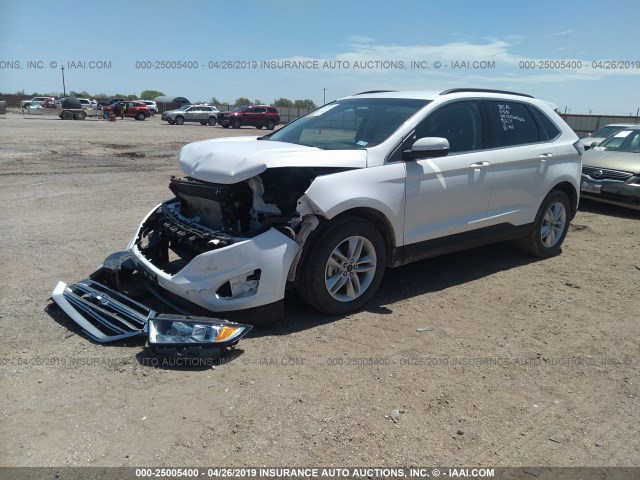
<point>382,37</point>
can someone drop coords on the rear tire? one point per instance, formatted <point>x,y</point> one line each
<point>344,266</point>
<point>140,116</point>
<point>550,227</point>
<point>79,116</point>
<point>66,115</point>
<point>179,120</point>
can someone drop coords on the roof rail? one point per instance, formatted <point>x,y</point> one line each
<point>373,91</point>
<point>483,90</point>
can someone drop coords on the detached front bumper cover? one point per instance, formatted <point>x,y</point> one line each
<point>106,316</point>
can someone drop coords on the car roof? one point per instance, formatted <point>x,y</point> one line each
<point>622,125</point>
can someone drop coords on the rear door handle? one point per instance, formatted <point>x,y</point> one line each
<point>479,165</point>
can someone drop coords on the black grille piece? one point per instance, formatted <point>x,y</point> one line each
<point>606,174</point>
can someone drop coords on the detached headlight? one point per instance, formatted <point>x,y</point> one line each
<point>168,333</point>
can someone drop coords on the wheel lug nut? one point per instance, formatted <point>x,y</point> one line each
<point>351,274</point>
<point>344,274</point>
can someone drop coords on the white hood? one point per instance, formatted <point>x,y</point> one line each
<point>232,160</point>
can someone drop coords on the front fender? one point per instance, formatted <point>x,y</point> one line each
<point>379,188</point>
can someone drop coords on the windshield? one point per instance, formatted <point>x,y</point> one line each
<point>350,124</point>
<point>605,132</point>
<point>623,141</point>
<point>241,108</point>
<point>183,107</point>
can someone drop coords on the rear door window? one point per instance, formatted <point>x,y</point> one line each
<point>511,124</point>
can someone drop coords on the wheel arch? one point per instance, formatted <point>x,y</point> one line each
<point>380,221</point>
<point>571,192</point>
<point>375,217</point>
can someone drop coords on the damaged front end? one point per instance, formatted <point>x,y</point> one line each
<point>228,247</point>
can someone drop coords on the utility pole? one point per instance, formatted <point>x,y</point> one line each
<point>64,88</point>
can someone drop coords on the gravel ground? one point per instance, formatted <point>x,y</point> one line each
<point>486,357</point>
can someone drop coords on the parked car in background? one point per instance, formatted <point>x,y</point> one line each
<point>135,109</point>
<point>602,133</point>
<point>251,115</point>
<point>109,102</point>
<point>611,171</point>
<point>86,103</point>
<point>153,106</point>
<point>203,114</point>
<point>35,101</point>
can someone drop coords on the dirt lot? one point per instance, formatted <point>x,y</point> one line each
<point>525,363</point>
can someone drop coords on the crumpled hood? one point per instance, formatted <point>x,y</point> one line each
<point>232,160</point>
<point>624,161</point>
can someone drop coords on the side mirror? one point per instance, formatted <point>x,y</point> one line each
<point>427,147</point>
<point>594,144</point>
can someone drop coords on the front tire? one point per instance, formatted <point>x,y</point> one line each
<point>179,120</point>
<point>550,227</point>
<point>344,266</point>
<point>271,125</point>
<point>212,121</point>
<point>236,123</point>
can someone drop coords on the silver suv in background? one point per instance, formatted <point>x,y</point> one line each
<point>204,114</point>
<point>35,101</point>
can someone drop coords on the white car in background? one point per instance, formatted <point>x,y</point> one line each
<point>35,101</point>
<point>86,103</point>
<point>153,106</point>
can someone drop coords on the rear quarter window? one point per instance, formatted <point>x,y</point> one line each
<point>549,129</point>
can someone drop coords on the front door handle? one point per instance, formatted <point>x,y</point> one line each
<point>543,157</point>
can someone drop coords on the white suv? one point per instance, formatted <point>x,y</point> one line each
<point>151,105</point>
<point>374,180</point>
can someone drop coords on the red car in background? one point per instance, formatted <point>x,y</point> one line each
<point>253,115</point>
<point>137,110</point>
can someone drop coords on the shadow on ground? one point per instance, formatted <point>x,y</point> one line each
<point>401,283</point>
